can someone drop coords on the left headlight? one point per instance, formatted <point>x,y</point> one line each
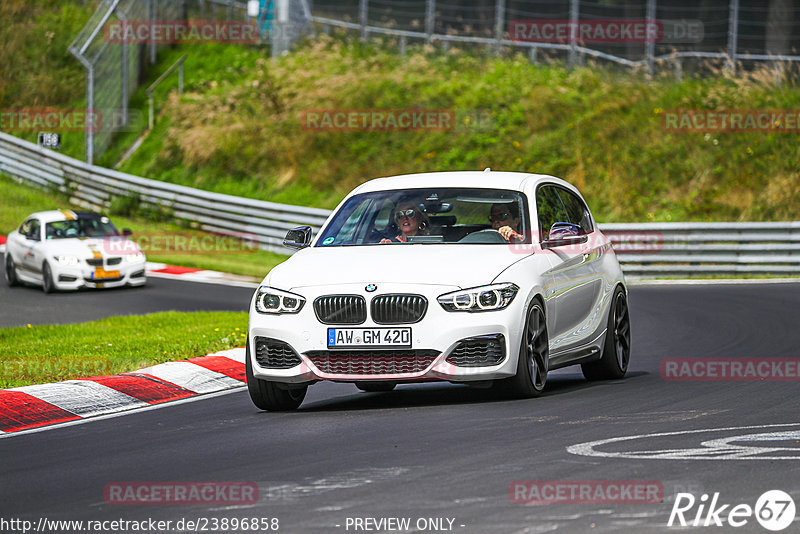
<point>133,258</point>
<point>478,299</point>
<point>67,260</point>
<point>271,300</point>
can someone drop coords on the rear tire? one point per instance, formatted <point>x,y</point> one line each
<point>272,396</point>
<point>616,355</point>
<point>47,279</point>
<point>533,360</point>
<point>376,387</point>
<point>11,271</point>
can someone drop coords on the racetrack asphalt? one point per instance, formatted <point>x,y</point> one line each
<point>24,305</point>
<point>447,451</point>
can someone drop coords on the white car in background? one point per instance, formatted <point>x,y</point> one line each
<point>64,249</point>
<point>500,278</point>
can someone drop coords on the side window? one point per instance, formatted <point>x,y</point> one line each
<point>549,210</point>
<point>25,228</point>
<point>33,230</point>
<point>577,212</point>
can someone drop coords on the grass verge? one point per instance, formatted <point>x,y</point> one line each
<point>41,354</point>
<point>239,129</point>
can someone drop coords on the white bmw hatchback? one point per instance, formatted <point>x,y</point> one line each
<point>482,278</point>
<point>63,249</point>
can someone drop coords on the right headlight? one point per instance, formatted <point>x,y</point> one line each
<point>271,300</point>
<point>478,299</point>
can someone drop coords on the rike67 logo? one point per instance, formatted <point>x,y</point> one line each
<point>774,510</point>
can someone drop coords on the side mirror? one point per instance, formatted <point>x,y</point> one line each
<point>564,233</point>
<point>127,232</point>
<point>298,238</point>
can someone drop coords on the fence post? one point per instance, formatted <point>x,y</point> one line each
<point>499,22</point>
<point>90,107</point>
<point>403,45</point>
<point>533,54</point>
<point>362,15</point>
<point>430,13</point>
<point>280,28</point>
<point>152,15</point>
<point>678,68</point>
<point>650,42</point>
<point>733,34</point>
<point>573,32</point>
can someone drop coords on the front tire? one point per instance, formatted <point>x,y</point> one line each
<point>11,271</point>
<point>616,355</point>
<point>47,279</point>
<point>533,360</point>
<point>271,396</point>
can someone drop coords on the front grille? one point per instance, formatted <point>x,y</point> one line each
<point>375,362</point>
<point>113,261</point>
<point>274,354</point>
<point>95,262</point>
<point>479,351</point>
<point>103,280</point>
<point>341,309</point>
<point>397,309</point>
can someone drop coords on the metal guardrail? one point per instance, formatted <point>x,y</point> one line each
<point>702,249</point>
<point>646,250</point>
<point>95,187</point>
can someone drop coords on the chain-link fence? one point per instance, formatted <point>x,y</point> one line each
<point>634,33</point>
<point>115,67</point>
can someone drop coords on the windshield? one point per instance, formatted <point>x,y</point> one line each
<point>81,227</point>
<point>436,215</point>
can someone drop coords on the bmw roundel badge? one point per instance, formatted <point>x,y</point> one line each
<point>371,287</point>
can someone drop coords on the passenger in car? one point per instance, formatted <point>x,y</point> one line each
<point>505,219</point>
<point>410,221</point>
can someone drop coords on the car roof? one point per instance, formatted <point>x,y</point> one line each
<point>63,215</point>
<point>488,179</point>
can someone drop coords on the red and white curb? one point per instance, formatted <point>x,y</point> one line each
<point>162,270</point>
<point>2,243</point>
<point>37,406</point>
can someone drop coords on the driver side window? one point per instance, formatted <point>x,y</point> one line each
<point>33,230</point>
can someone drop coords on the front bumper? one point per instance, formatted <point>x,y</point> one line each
<point>434,339</point>
<point>73,277</point>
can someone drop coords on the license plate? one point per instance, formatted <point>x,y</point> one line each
<point>369,337</point>
<point>102,273</point>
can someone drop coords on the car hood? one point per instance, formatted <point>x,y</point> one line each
<point>85,247</point>
<point>451,265</point>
